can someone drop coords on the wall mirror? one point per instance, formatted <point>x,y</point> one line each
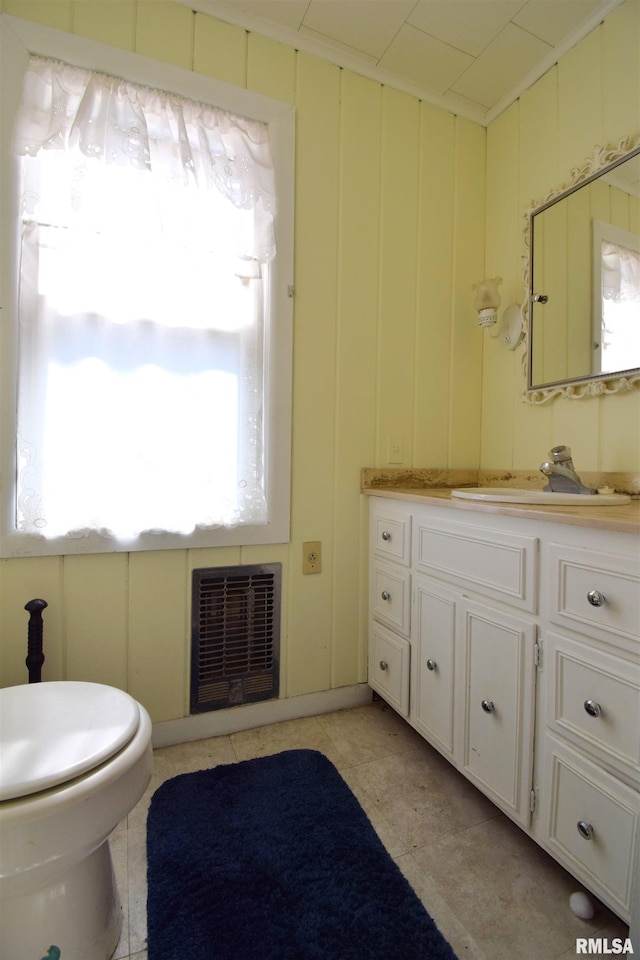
<point>582,273</point>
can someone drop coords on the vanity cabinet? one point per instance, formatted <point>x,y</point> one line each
<point>512,646</point>
<point>453,645</point>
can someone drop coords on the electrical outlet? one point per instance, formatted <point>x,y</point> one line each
<point>395,453</point>
<point>312,556</point>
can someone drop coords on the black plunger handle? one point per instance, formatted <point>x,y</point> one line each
<point>35,656</point>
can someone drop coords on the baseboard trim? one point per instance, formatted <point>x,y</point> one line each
<point>219,723</point>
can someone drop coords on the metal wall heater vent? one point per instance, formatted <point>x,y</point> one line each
<point>235,635</point>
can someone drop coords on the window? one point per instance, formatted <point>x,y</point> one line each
<point>152,334</point>
<point>616,298</point>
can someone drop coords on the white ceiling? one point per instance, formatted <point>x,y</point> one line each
<point>473,57</point>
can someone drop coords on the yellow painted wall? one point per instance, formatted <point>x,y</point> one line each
<point>389,240</point>
<point>591,97</point>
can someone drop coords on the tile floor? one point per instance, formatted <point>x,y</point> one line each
<point>493,892</point>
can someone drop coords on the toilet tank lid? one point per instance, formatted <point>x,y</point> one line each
<point>55,731</point>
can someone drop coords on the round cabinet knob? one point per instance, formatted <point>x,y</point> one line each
<point>385,535</point>
<point>384,665</point>
<point>593,709</point>
<point>595,598</point>
<point>487,706</point>
<point>431,664</point>
<point>385,595</point>
<point>585,829</point>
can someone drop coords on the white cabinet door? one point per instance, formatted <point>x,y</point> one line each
<point>495,704</point>
<point>433,670</point>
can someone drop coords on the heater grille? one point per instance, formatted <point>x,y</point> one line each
<point>235,635</point>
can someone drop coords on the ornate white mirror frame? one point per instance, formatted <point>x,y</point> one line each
<point>595,384</point>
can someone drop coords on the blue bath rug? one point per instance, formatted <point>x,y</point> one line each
<point>274,859</point>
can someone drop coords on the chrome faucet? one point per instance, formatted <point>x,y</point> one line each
<point>561,473</point>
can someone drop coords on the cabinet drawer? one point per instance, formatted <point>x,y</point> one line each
<point>391,596</point>
<point>494,564</point>
<point>389,662</point>
<point>391,535</point>
<point>592,825</point>
<point>596,703</point>
<point>594,592</point>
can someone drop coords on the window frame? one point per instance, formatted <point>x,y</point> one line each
<point>19,39</point>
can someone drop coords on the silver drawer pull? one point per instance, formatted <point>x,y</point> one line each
<point>385,595</point>
<point>595,598</point>
<point>431,664</point>
<point>585,829</point>
<point>385,535</point>
<point>593,709</point>
<point>487,706</point>
<point>383,665</point>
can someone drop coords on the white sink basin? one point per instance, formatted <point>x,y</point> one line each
<point>512,495</point>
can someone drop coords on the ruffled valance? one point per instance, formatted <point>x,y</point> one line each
<point>179,140</point>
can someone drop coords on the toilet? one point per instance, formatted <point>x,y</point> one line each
<point>75,758</point>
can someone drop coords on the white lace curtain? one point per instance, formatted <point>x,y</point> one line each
<point>144,216</point>
<point>180,141</point>
<point>620,273</point>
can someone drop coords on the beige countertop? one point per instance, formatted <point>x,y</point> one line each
<point>624,518</point>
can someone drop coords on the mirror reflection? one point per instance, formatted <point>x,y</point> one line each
<point>585,279</point>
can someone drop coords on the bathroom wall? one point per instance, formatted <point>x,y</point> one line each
<point>390,197</point>
<point>591,97</point>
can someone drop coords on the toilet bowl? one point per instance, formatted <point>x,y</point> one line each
<point>75,758</point>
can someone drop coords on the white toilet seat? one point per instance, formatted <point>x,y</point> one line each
<point>75,760</point>
<point>53,732</point>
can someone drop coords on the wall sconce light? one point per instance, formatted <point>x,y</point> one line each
<point>487,302</point>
